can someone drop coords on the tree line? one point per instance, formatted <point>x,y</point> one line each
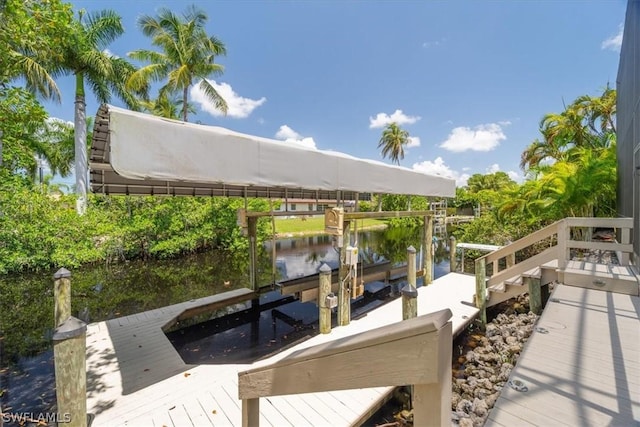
<point>570,169</point>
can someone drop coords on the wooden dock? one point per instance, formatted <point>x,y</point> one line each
<point>581,366</point>
<point>136,377</point>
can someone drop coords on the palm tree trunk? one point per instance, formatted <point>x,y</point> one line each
<point>80,143</point>
<point>184,103</point>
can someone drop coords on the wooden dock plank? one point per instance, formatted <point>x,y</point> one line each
<point>272,414</point>
<point>311,413</point>
<point>504,418</point>
<point>118,368</point>
<point>216,415</point>
<point>224,406</point>
<point>585,370</point>
<point>326,404</point>
<point>179,416</point>
<point>196,413</point>
<point>292,414</point>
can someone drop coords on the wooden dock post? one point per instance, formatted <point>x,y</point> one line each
<point>323,291</point>
<point>427,262</point>
<point>253,252</point>
<point>535,295</point>
<point>452,254</point>
<point>69,349</point>
<point>344,292</point>
<point>409,291</point>
<point>62,295</point>
<point>481,291</point>
<point>250,412</point>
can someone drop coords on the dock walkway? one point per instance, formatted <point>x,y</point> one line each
<point>581,366</point>
<point>136,378</point>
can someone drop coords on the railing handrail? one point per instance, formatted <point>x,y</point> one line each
<point>558,249</point>
<point>423,343</point>
<point>554,228</point>
<point>522,243</point>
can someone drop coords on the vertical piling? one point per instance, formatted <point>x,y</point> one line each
<point>409,291</point>
<point>69,350</point>
<point>481,291</point>
<point>69,353</point>
<point>344,292</point>
<point>535,294</point>
<point>62,295</point>
<point>428,250</point>
<point>323,291</point>
<point>452,254</point>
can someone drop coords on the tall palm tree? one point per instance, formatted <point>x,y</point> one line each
<point>88,60</point>
<point>187,54</point>
<point>392,142</point>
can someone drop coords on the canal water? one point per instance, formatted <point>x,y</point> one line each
<point>243,332</point>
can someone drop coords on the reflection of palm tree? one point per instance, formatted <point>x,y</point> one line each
<point>315,256</point>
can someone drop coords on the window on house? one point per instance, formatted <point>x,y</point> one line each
<point>310,208</point>
<point>292,207</point>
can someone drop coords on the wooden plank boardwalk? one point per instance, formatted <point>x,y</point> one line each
<point>135,376</point>
<point>581,366</point>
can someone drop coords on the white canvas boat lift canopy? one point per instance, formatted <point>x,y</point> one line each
<point>136,153</point>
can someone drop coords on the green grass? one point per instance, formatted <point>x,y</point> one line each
<point>315,225</point>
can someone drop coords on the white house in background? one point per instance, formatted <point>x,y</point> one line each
<point>307,205</point>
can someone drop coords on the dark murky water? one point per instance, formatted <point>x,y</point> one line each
<point>251,331</point>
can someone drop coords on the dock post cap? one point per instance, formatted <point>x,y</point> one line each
<point>324,268</point>
<point>411,249</point>
<point>63,273</point>
<point>71,328</point>
<point>409,291</point>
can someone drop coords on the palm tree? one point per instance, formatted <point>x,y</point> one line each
<point>392,142</point>
<point>587,122</point>
<point>32,35</point>
<point>187,53</point>
<point>169,107</point>
<point>88,60</point>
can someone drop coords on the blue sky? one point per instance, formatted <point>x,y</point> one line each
<point>470,81</point>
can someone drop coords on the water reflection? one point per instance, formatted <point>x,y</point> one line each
<point>104,292</point>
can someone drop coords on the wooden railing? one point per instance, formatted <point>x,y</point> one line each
<point>415,351</point>
<point>557,240</point>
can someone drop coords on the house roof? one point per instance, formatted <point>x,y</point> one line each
<point>136,153</point>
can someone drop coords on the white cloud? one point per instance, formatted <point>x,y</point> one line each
<point>287,134</point>
<point>493,168</point>
<point>433,43</point>
<point>515,176</point>
<point>383,119</point>
<point>439,167</point>
<point>512,174</point>
<point>485,137</point>
<point>110,54</point>
<point>238,106</point>
<point>414,141</point>
<point>614,42</point>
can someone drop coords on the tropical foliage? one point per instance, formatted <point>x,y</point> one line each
<point>571,171</point>
<point>41,231</point>
<point>186,54</point>
<point>88,59</point>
